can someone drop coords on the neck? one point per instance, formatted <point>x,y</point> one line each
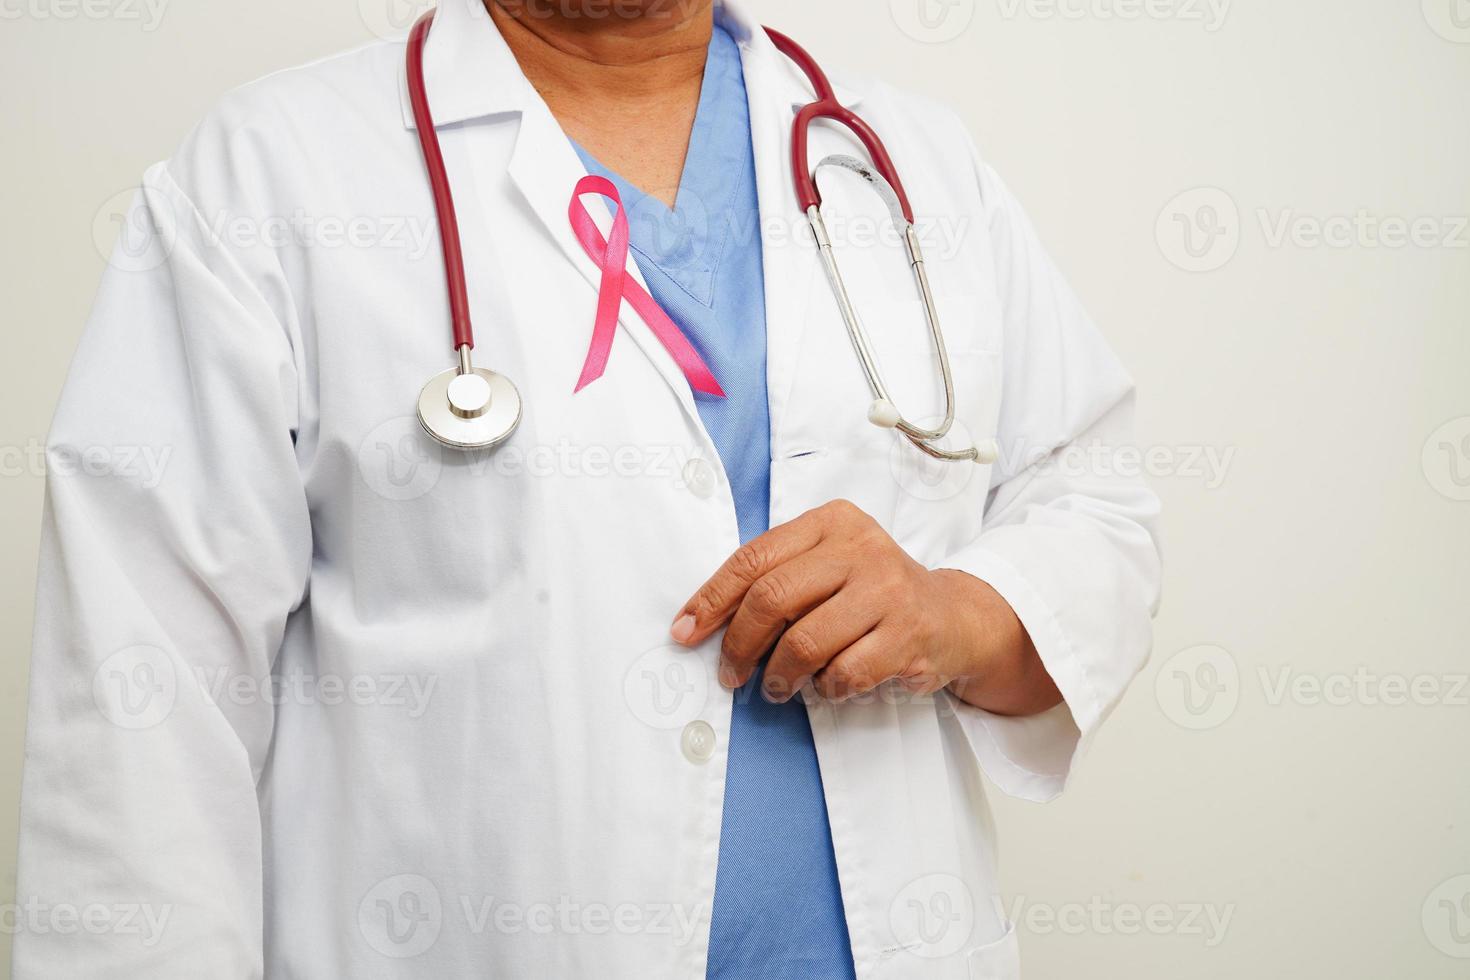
<point>636,49</point>
<point>622,77</point>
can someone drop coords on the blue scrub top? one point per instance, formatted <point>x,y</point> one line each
<point>778,909</point>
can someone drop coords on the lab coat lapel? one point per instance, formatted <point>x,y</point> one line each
<point>775,89</point>
<point>544,167</point>
<point>787,257</point>
<point>471,74</point>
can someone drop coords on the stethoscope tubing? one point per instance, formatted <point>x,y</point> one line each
<point>449,240</point>
<point>478,417</point>
<point>826,106</point>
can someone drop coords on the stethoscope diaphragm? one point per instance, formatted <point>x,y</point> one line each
<point>469,410</point>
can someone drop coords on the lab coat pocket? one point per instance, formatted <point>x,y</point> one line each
<point>909,364</point>
<point>829,403</point>
<point>916,384</point>
<point>968,322</point>
<point>1000,960</point>
<point>826,447</point>
<point>941,503</point>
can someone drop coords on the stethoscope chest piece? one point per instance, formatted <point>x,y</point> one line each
<point>473,409</point>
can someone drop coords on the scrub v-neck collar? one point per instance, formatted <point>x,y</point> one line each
<point>686,242</point>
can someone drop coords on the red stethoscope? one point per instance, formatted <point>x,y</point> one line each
<point>467,407</point>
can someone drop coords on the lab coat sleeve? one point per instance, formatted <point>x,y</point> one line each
<point>1069,538</point>
<point>176,542</point>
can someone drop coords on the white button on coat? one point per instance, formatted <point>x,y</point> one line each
<point>701,478</point>
<point>332,673</point>
<point>697,741</point>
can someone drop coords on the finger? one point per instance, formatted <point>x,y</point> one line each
<point>873,659</point>
<point>812,641</point>
<point>782,596</point>
<point>719,597</point>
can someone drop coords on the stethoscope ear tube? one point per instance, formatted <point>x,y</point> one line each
<point>883,412</point>
<point>883,177</point>
<point>826,106</point>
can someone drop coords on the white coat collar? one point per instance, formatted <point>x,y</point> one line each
<point>470,72</point>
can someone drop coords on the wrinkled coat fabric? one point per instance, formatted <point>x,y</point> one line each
<point>312,697</point>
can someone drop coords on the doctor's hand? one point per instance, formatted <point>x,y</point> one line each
<point>847,609</point>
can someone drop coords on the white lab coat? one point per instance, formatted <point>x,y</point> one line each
<point>476,756</point>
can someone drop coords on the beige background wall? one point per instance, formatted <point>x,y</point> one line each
<point>1263,204</point>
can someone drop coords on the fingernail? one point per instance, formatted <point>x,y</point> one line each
<point>683,628</point>
<point>729,679</point>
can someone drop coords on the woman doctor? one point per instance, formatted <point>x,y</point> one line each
<point>679,680</point>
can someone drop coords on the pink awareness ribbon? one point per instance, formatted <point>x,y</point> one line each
<point>611,257</point>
